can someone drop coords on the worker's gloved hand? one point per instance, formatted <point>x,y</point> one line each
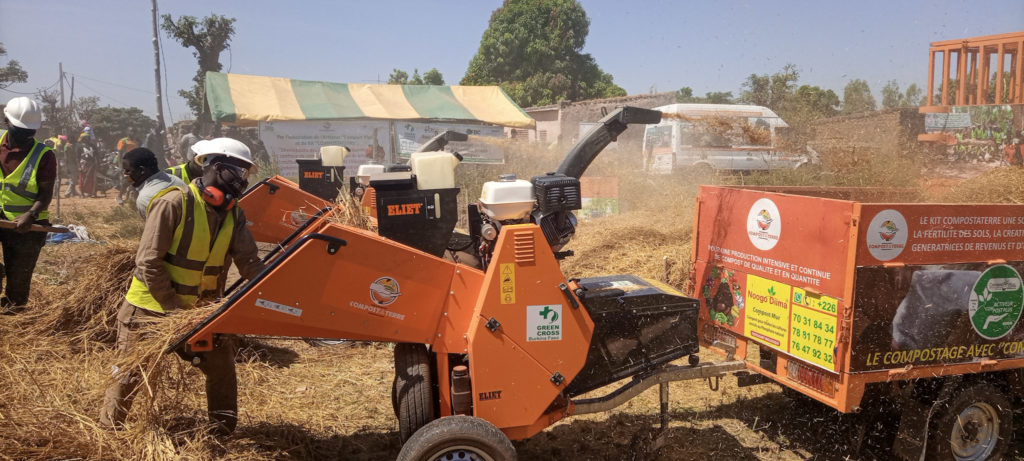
<point>23,223</point>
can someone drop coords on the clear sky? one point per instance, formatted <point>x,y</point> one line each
<point>645,45</point>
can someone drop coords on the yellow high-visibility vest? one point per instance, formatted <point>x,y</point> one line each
<point>19,190</point>
<point>193,264</point>
<point>180,171</point>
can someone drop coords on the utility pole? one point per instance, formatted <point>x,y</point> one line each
<point>61,128</point>
<point>158,144</point>
<point>60,67</point>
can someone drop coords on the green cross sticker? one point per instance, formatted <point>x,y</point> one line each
<point>996,300</point>
<point>547,310</point>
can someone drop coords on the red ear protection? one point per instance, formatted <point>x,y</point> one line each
<point>215,197</point>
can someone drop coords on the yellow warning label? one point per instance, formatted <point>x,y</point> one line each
<point>508,283</point>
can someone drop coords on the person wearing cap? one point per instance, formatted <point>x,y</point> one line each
<point>182,262</point>
<point>190,169</point>
<point>29,171</point>
<point>140,170</point>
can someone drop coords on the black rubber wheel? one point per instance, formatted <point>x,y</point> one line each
<point>975,424</point>
<point>458,438</point>
<point>414,389</point>
<point>394,395</point>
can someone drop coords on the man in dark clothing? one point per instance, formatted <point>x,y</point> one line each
<point>29,170</point>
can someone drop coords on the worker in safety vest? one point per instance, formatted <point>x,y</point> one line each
<point>140,170</point>
<point>124,145</point>
<point>29,170</point>
<point>191,169</point>
<point>181,262</point>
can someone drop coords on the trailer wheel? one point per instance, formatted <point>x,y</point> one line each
<point>976,424</point>
<point>394,395</point>
<point>414,389</point>
<point>458,438</point>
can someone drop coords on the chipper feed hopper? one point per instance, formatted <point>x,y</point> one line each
<point>488,352</point>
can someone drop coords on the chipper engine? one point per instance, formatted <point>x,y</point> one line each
<point>485,352</point>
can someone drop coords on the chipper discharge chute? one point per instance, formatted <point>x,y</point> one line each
<point>488,353</point>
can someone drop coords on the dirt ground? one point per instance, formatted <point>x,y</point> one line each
<point>303,402</point>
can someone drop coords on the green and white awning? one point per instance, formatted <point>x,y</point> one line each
<point>247,99</point>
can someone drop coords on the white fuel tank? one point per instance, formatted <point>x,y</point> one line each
<point>434,170</point>
<point>507,198</point>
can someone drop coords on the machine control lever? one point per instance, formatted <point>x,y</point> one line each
<point>568,295</point>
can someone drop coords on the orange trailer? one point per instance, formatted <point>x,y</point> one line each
<point>849,297</point>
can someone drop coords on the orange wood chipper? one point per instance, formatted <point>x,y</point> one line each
<point>487,351</point>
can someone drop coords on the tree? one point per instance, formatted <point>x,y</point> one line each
<point>913,97</point>
<point>532,49</point>
<point>857,97</point>
<point>415,79</point>
<point>892,97</point>
<point>770,91</point>
<point>433,77</point>
<point>12,72</point>
<point>208,39</point>
<point>809,103</point>
<point>400,77</point>
<point>685,95</point>
<point>111,123</point>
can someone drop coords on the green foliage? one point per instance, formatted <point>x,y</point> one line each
<point>400,77</point>
<point>808,103</point>
<point>433,77</point>
<point>685,95</point>
<point>770,91</point>
<point>532,49</point>
<point>208,39</point>
<point>893,97</point>
<point>857,97</point>
<point>11,72</point>
<point>113,123</point>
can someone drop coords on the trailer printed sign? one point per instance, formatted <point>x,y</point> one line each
<point>767,311</point>
<point>786,318</point>
<point>937,314</point>
<point>544,323</point>
<point>996,301</point>
<point>937,234</point>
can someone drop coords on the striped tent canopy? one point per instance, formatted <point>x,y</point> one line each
<point>248,99</point>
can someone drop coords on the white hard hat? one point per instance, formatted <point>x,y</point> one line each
<point>200,147</point>
<point>223,147</point>
<point>23,112</point>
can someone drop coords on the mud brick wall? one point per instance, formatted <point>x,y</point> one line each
<point>892,130</point>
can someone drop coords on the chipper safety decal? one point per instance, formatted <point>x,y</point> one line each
<point>508,283</point>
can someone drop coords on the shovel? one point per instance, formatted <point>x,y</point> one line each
<point>35,227</point>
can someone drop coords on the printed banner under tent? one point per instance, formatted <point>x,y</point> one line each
<point>412,135</point>
<point>287,141</point>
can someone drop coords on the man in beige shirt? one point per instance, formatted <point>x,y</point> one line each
<point>189,240</point>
